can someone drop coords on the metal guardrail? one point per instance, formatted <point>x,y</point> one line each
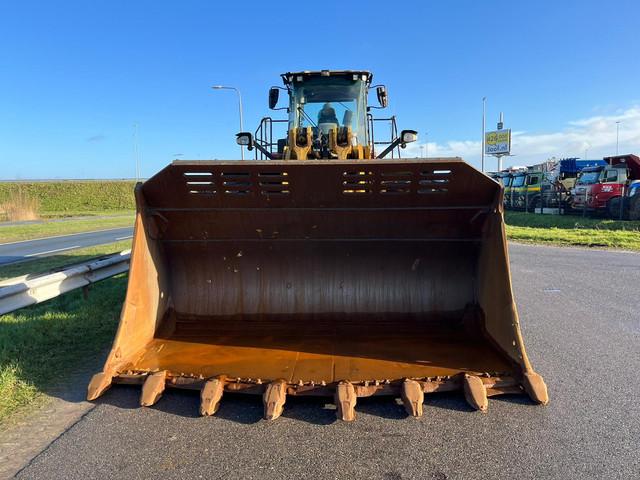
<point>26,290</point>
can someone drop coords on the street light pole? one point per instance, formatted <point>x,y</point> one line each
<point>484,102</point>
<point>223,87</point>
<point>617,135</point>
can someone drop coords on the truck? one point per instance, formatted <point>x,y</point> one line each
<point>558,182</point>
<point>598,188</point>
<point>527,196</point>
<point>516,188</point>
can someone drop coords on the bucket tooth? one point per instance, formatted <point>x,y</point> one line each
<point>345,399</point>
<point>273,398</point>
<point>99,384</point>
<point>210,396</point>
<point>475,393</point>
<point>153,388</point>
<point>412,397</point>
<point>535,387</point>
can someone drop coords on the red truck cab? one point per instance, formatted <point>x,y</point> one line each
<point>596,187</point>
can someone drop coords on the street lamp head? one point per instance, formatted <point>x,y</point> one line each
<point>217,87</point>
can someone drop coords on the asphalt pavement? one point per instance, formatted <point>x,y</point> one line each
<point>41,247</point>
<point>581,324</point>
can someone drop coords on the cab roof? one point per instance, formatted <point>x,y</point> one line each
<point>290,77</point>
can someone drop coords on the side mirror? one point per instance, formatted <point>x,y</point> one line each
<point>245,139</point>
<point>274,94</point>
<point>408,136</point>
<point>381,92</point>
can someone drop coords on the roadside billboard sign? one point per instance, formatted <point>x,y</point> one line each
<point>498,142</point>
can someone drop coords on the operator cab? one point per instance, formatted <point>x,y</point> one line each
<point>328,118</point>
<point>328,103</point>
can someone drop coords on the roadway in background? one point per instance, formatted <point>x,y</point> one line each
<point>42,247</point>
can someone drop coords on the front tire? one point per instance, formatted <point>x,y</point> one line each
<point>613,208</point>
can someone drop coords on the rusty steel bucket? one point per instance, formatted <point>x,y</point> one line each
<point>333,277</point>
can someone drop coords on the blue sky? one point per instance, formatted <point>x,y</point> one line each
<point>76,76</point>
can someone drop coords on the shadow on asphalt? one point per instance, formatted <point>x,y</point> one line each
<point>247,409</point>
<point>514,398</point>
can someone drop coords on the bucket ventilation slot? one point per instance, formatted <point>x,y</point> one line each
<point>357,182</point>
<point>200,183</point>
<point>274,184</point>
<point>236,183</point>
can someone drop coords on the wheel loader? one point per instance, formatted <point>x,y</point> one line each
<point>329,265</point>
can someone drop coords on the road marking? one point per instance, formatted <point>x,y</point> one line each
<point>60,236</point>
<point>52,251</point>
<point>124,238</point>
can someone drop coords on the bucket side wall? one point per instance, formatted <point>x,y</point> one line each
<point>495,293</point>
<point>148,294</point>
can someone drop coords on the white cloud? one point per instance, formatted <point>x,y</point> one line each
<point>595,134</point>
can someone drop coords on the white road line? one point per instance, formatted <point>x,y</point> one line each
<point>52,251</point>
<point>124,238</point>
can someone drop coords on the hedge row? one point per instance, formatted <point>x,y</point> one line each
<point>72,195</point>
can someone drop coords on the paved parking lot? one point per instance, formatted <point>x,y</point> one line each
<point>581,322</point>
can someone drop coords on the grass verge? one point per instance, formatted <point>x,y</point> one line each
<point>16,233</point>
<point>67,214</point>
<point>572,230</point>
<point>42,344</point>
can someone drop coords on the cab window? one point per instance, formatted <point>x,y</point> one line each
<point>612,176</point>
<point>533,180</point>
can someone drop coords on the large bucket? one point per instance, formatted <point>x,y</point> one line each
<point>344,278</point>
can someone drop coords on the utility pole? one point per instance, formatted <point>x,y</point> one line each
<point>484,102</point>
<point>500,126</point>
<point>617,135</point>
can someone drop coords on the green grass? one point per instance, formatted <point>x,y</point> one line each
<point>43,344</point>
<point>572,230</point>
<point>14,233</point>
<point>45,264</point>
<point>74,195</point>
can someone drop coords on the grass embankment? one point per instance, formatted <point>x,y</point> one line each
<point>16,233</point>
<point>77,197</point>
<point>40,345</point>
<point>572,230</point>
